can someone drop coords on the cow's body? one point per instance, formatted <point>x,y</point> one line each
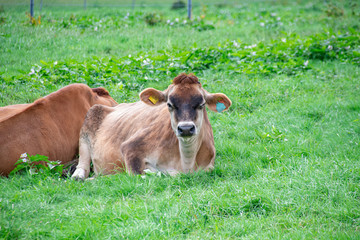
<point>136,136</point>
<point>50,126</point>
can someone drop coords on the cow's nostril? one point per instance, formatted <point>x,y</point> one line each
<point>180,130</point>
<point>186,130</point>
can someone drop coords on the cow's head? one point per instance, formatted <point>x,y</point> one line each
<point>102,96</point>
<point>186,101</point>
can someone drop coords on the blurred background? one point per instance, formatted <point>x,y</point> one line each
<point>117,3</point>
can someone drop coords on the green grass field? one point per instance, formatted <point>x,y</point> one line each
<point>288,154</point>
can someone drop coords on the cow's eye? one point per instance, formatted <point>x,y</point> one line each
<point>201,106</point>
<point>171,107</point>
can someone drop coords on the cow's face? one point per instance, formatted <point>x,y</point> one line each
<point>186,104</point>
<point>102,96</point>
<point>186,101</point>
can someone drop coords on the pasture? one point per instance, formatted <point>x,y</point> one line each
<point>288,154</point>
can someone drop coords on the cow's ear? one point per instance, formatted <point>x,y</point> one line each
<point>217,102</point>
<point>100,91</point>
<point>152,97</point>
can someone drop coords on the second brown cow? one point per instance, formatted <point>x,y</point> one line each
<point>50,126</point>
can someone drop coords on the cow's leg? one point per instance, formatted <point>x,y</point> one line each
<point>134,164</point>
<point>133,155</point>
<point>92,123</point>
<point>83,168</point>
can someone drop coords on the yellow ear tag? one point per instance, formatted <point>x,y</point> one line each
<point>153,99</point>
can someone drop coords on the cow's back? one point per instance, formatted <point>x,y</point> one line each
<point>128,119</point>
<point>11,110</point>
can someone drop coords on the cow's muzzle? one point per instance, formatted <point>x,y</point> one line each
<point>186,129</point>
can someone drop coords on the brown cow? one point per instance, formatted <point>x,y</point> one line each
<point>166,131</point>
<point>50,126</point>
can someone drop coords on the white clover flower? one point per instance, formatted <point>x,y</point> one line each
<point>306,63</point>
<point>96,28</point>
<point>24,157</point>
<point>176,20</point>
<point>168,21</point>
<point>253,53</point>
<point>51,166</point>
<point>185,22</point>
<point>347,48</point>
<point>278,18</point>
<point>171,23</point>
<point>129,55</point>
<point>235,44</point>
<point>262,24</point>
<point>283,40</point>
<point>330,47</point>
<point>149,172</point>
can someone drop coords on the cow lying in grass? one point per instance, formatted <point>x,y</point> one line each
<point>50,126</point>
<point>166,131</point>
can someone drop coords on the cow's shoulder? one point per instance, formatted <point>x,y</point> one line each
<point>69,93</point>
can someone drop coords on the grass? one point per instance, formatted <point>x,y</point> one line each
<point>287,163</point>
<point>67,33</point>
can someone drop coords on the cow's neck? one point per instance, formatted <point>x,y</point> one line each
<point>189,148</point>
